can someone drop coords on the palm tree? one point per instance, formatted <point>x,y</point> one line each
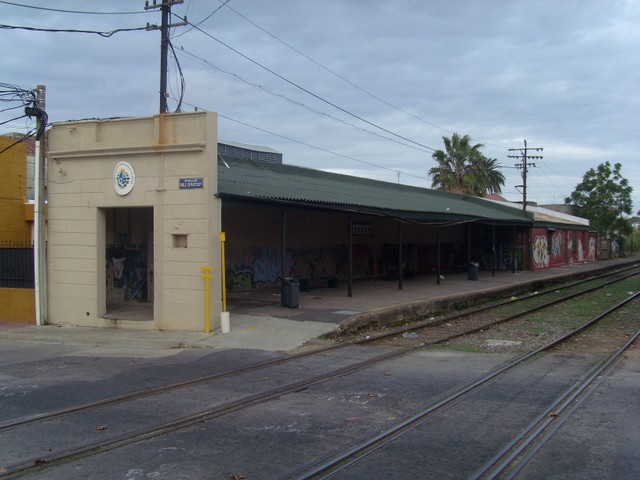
<point>490,179</point>
<point>462,168</point>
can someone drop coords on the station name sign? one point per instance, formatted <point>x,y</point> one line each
<point>362,229</point>
<point>191,182</point>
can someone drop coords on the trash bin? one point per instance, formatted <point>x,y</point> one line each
<point>290,293</point>
<point>474,268</point>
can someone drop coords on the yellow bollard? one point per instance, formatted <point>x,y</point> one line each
<point>224,270</point>
<point>207,298</point>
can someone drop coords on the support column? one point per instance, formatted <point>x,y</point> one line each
<point>400,270</point>
<point>283,254</point>
<point>350,258</point>
<point>493,251</point>
<point>468,244</point>
<point>513,251</point>
<point>438,271</point>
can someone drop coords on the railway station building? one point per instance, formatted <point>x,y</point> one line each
<point>148,219</point>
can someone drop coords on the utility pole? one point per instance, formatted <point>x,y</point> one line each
<point>39,218</point>
<point>165,8</point>
<point>524,154</point>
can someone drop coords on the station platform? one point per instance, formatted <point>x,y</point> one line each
<point>258,321</point>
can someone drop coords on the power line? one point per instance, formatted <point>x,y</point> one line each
<point>308,92</point>
<point>204,19</point>
<point>300,142</point>
<point>342,77</point>
<point>83,12</point>
<point>300,104</point>
<point>524,165</point>
<point>60,30</point>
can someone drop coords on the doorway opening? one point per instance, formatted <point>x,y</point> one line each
<point>129,263</point>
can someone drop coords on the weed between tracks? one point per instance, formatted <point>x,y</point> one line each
<point>537,329</point>
<point>531,332</point>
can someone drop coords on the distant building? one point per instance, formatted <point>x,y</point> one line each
<point>562,208</point>
<point>250,152</point>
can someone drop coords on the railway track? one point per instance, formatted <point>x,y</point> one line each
<point>514,456</point>
<point>44,459</point>
<point>601,281</point>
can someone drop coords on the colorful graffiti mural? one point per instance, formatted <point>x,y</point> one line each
<point>260,267</point>
<point>540,251</point>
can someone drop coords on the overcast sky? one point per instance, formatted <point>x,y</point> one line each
<point>362,87</point>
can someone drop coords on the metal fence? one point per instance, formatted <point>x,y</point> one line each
<point>16,264</point>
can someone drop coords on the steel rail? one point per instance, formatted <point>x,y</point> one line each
<point>141,434</point>
<point>21,421</point>
<point>530,440</point>
<point>332,463</point>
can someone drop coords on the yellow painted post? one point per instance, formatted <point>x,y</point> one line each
<point>207,298</point>
<point>224,270</point>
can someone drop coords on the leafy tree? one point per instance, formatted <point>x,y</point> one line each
<point>603,196</point>
<point>462,168</point>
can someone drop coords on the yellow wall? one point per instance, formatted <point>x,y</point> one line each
<point>17,305</point>
<point>13,192</point>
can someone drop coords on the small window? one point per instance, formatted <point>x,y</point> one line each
<point>179,240</point>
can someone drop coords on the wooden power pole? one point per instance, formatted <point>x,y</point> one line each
<point>524,165</point>
<point>165,8</point>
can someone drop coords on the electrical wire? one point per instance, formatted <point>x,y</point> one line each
<point>203,20</point>
<point>315,147</point>
<point>182,81</point>
<point>17,142</point>
<point>27,100</point>
<point>300,104</point>
<point>318,97</point>
<point>84,12</point>
<point>342,77</point>
<point>10,108</point>
<point>59,30</point>
<point>16,118</point>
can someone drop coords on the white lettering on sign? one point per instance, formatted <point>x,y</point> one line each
<point>192,182</point>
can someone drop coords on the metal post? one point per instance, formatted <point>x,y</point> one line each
<point>400,272</point>
<point>493,252</point>
<point>513,251</point>
<point>438,270</point>
<point>223,270</point>
<point>283,255</point>
<point>468,245</point>
<point>207,298</point>
<point>350,258</point>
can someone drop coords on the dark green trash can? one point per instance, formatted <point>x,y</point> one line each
<point>474,268</point>
<point>291,293</point>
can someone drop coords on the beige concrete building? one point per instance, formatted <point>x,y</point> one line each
<point>133,219</point>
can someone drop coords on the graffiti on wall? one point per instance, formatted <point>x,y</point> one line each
<point>593,245</point>
<point>557,242</point>
<point>126,272</point>
<point>540,249</point>
<point>557,249</point>
<point>260,267</point>
<point>580,250</point>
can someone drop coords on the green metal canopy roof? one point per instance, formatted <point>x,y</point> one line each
<point>260,181</point>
